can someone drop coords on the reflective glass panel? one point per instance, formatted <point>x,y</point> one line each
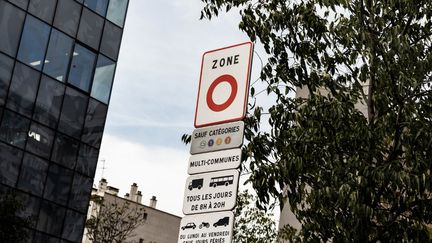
<point>80,193</point>
<point>40,237</point>
<point>99,6</point>
<point>73,226</point>
<point>22,92</point>
<point>90,28</point>
<point>94,123</point>
<point>48,101</point>
<point>33,42</point>
<point>14,129</point>
<point>6,65</point>
<point>31,207</point>
<point>117,11</point>
<point>58,55</point>
<point>67,16</point>
<point>103,79</point>
<point>87,160</point>
<point>33,173</point>
<point>73,112</point>
<point>81,68</point>
<point>20,3</point>
<point>51,219</point>
<point>58,184</point>
<point>65,151</point>
<point>11,22</point>
<point>10,161</point>
<point>40,140</point>
<point>111,39</point>
<point>43,9</point>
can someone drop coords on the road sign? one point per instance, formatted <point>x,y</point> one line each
<point>219,137</point>
<point>209,228</point>
<point>220,160</point>
<point>211,192</point>
<point>224,85</point>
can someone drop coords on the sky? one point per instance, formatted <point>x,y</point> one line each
<point>154,94</point>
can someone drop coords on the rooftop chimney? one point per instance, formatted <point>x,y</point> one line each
<point>133,192</point>
<point>153,202</point>
<point>139,197</point>
<point>126,196</point>
<point>103,185</point>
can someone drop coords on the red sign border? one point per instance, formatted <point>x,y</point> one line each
<point>246,91</point>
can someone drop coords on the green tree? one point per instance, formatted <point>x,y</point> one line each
<point>252,225</point>
<point>13,227</point>
<point>113,222</point>
<point>349,176</point>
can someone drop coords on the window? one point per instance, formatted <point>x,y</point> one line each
<point>87,160</point>
<point>81,68</point>
<point>111,39</point>
<point>40,237</point>
<point>20,3</point>
<point>11,22</point>
<point>65,151</point>
<point>67,16</point>
<point>103,79</point>
<point>6,65</point>
<point>43,9</point>
<point>10,161</point>
<point>80,193</point>
<point>117,11</point>
<point>73,226</point>
<point>90,28</point>
<point>94,123</point>
<point>51,218</point>
<point>40,140</point>
<point>58,55</point>
<point>33,42</point>
<point>99,6</point>
<point>33,173</point>
<point>58,183</point>
<point>48,101</point>
<point>73,112</point>
<point>14,129</point>
<point>30,207</point>
<point>22,92</point>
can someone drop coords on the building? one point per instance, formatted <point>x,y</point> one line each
<point>57,64</point>
<point>159,226</point>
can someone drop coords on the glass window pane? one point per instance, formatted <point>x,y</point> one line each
<point>20,3</point>
<point>51,219</point>
<point>73,112</point>
<point>40,237</point>
<point>103,78</point>
<point>65,151</point>
<point>117,11</point>
<point>10,161</point>
<point>67,16</point>
<point>74,226</point>
<point>90,28</point>
<point>22,92</point>
<point>11,22</point>
<point>14,129</point>
<point>33,42</point>
<point>81,68</point>
<point>87,160</point>
<point>58,55</point>
<point>31,207</point>
<point>58,183</point>
<point>43,9</point>
<point>33,174</point>
<point>80,193</point>
<point>111,39</point>
<point>48,101</point>
<point>94,123</point>
<point>40,140</point>
<point>99,6</point>
<point>6,65</point>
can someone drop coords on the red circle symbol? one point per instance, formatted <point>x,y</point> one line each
<point>220,107</point>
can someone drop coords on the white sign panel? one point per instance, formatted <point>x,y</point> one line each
<point>207,228</point>
<point>220,160</point>
<point>224,85</point>
<point>219,137</point>
<point>210,192</point>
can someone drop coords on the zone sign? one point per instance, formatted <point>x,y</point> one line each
<point>224,85</point>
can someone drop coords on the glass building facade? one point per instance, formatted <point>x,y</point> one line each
<point>57,65</point>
